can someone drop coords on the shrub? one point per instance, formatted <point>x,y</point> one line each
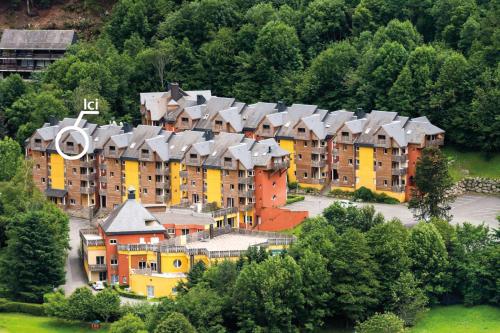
<point>128,294</point>
<point>386,322</point>
<point>338,193</point>
<point>293,185</point>
<point>366,195</point>
<point>294,198</point>
<point>29,308</point>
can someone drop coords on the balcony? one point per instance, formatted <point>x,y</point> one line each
<point>161,171</point>
<point>435,142</point>
<point>245,208</point>
<point>398,158</point>
<point>398,188</point>
<point>318,163</point>
<point>102,166</point>
<point>224,211</point>
<point>161,198</point>
<point>163,183</point>
<point>103,179</point>
<point>318,150</point>
<point>183,173</point>
<point>398,171</point>
<point>87,164</point>
<point>90,177</point>
<point>315,181</point>
<point>345,139</point>
<point>335,165</point>
<point>98,268</point>
<point>280,165</point>
<point>246,193</point>
<point>87,190</point>
<point>245,180</point>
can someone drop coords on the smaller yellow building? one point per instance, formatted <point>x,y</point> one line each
<point>155,269</point>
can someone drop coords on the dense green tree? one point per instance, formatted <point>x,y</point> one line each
<point>388,248</point>
<point>107,304</point>
<point>34,259</point>
<point>402,32</point>
<point>175,323</point>
<point>10,158</point>
<point>268,295</point>
<point>158,312</point>
<point>450,16</point>
<point>429,260</point>
<point>129,17</point>
<point>55,304</point>
<point>362,218</point>
<point>354,277</point>
<point>382,323</point>
<point>193,277</point>
<point>407,299</point>
<point>430,198</point>
<point>324,81</point>
<point>81,305</point>
<point>325,21</point>
<point>129,323</point>
<point>260,14</point>
<point>316,289</point>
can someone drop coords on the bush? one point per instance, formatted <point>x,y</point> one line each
<point>366,195</point>
<point>387,323</point>
<point>338,193</point>
<point>294,198</point>
<point>293,185</point>
<point>28,308</point>
<point>128,294</point>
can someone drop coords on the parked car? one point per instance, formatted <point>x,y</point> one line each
<point>345,203</point>
<point>98,285</point>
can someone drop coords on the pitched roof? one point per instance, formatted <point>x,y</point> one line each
<point>253,114</point>
<point>233,117</point>
<point>213,105</point>
<point>221,143</point>
<point>264,150</point>
<point>131,218</point>
<point>180,142</point>
<point>139,135</point>
<point>37,39</point>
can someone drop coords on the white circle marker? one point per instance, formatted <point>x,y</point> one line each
<point>78,129</point>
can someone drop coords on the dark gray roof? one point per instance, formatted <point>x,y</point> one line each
<point>37,39</point>
<point>253,114</point>
<point>131,218</point>
<point>374,120</point>
<point>261,154</point>
<point>184,217</point>
<point>181,142</point>
<point>55,193</point>
<point>139,135</point>
<point>336,119</point>
<point>222,142</point>
<point>213,105</point>
<point>293,114</point>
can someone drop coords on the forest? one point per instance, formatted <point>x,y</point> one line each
<point>434,58</point>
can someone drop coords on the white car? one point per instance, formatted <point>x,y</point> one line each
<point>98,285</point>
<point>345,203</point>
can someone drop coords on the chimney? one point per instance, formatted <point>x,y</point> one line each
<point>359,113</point>
<point>131,193</point>
<point>127,128</point>
<point>200,100</point>
<point>281,106</point>
<point>52,120</point>
<point>175,91</point>
<point>209,135</point>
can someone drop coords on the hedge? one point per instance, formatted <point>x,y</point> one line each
<point>294,198</point>
<point>29,308</point>
<point>128,294</point>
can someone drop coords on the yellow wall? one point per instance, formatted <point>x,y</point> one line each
<point>94,252</point>
<point>57,171</point>
<point>347,189</point>
<point>132,178</point>
<point>175,183</point>
<point>162,286</point>
<point>288,146</point>
<point>315,186</point>
<point>214,186</point>
<point>365,173</point>
<point>167,263</point>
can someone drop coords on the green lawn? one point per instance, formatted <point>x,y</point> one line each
<point>472,164</point>
<point>17,323</point>
<point>451,319</point>
<point>459,319</point>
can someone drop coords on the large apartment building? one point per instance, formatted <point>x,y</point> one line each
<point>241,181</point>
<point>328,150</point>
<point>27,51</point>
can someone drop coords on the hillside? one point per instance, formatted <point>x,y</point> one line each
<point>63,14</point>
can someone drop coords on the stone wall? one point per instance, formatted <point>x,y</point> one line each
<point>477,185</point>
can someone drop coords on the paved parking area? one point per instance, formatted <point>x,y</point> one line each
<point>473,208</point>
<point>75,275</point>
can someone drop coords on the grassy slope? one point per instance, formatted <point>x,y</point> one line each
<point>474,162</point>
<point>16,323</point>
<point>459,319</point>
<point>451,319</point>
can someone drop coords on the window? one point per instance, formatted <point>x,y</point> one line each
<point>385,182</point>
<point>114,261</point>
<point>300,156</point>
<point>344,179</point>
<point>117,188</point>
<point>102,276</point>
<point>185,231</point>
<point>74,171</point>
<point>274,197</point>
<point>305,143</point>
<point>177,263</point>
<point>193,156</point>
<point>149,178</point>
<point>379,164</point>
<point>274,184</point>
<point>72,201</point>
<point>184,119</point>
<point>142,264</point>
<point>301,130</point>
<point>112,148</point>
<point>43,179</point>
<point>357,162</point>
<point>38,166</point>
<point>218,122</point>
<point>193,182</point>
<point>171,231</point>
<point>385,151</point>
<point>111,174</point>
<point>112,241</point>
<point>344,147</point>
<point>153,266</point>
<point>99,260</point>
<point>144,152</point>
<point>266,127</point>
<point>357,148</point>
<point>305,174</point>
<point>145,191</point>
<point>349,161</point>
<point>231,186</point>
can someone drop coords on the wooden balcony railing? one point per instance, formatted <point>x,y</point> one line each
<point>398,158</point>
<point>398,171</point>
<point>318,163</point>
<point>98,268</point>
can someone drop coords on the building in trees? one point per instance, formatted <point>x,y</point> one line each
<point>339,149</point>
<point>27,51</point>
